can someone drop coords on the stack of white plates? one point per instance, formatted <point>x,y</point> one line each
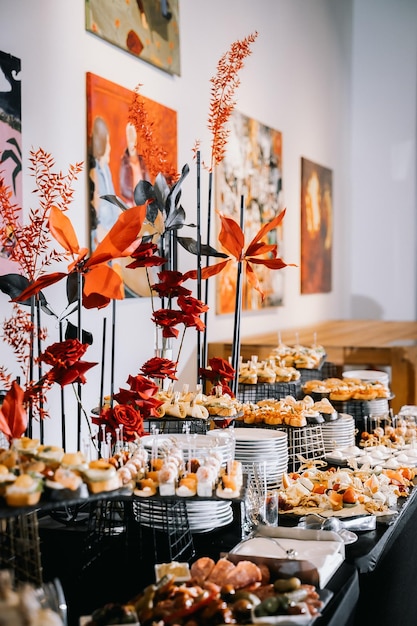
<point>196,446</point>
<point>202,516</point>
<point>254,446</point>
<point>206,516</point>
<point>339,433</point>
<point>368,376</point>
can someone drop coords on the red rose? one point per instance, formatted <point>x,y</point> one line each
<point>169,284</point>
<point>158,367</point>
<point>68,374</point>
<point>168,319</point>
<point>64,353</point>
<point>191,306</point>
<point>144,256</point>
<point>222,367</point>
<point>121,415</point>
<point>143,386</point>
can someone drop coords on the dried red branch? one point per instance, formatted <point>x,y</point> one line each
<point>17,331</point>
<point>155,157</point>
<point>222,103</point>
<point>31,242</point>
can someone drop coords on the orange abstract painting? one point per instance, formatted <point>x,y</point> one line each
<point>316,228</point>
<point>147,29</point>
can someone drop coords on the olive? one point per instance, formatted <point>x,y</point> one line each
<point>241,594</point>
<point>242,610</point>
<point>287,584</point>
<point>271,605</point>
<point>228,592</point>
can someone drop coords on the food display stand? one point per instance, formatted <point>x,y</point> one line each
<point>373,585</point>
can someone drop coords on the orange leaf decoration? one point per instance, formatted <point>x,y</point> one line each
<point>207,272</point>
<point>35,287</point>
<point>62,229</point>
<point>120,241</point>
<point>13,417</point>
<point>266,228</point>
<point>101,285</point>
<point>231,236</point>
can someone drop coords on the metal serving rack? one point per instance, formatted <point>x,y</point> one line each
<point>304,444</point>
<point>165,522</point>
<point>20,547</point>
<point>107,524</point>
<point>263,391</point>
<point>175,425</point>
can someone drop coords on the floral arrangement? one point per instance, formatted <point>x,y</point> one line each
<point>92,282</point>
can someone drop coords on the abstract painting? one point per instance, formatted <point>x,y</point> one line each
<point>252,171</point>
<point>147,29</point>
<point>115,163</point>
<point>316,227</point>
<point>10,140</point>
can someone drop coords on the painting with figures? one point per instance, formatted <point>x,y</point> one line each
<point>116,163</point>
<point>251,172</point>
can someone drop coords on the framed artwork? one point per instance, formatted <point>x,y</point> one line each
<point>10,140</point>
<point>115,163</point>
<point>316,227</point>
<point>147,29</point>
<point>252,170</point>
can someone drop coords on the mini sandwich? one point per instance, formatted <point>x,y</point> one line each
<point>24,491</point>
<point>25,446</point>
<point>50,455</point>
<point>65,484</point>
<point>101,476</point>
<point>74,461</point>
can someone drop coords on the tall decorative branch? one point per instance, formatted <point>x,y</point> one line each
<point>238,313</point>
<point>222,103</point>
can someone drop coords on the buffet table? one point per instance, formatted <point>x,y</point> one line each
<point>375,583</point>
<point>371,343</point>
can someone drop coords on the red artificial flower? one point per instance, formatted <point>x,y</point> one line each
<point>64,353</point>
<point>191,306</point>
<point>219,370</point>
<point>121,415</point>
<point>143,386</point>
<point>170,284</point>
<point>168,319</point>
<point>144,256</point>
<point>13,417</point>
<point>193,321</point>
<point>146,405</point>
<point>68,374</point>
<point>158,367</point>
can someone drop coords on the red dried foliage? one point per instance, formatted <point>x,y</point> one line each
<point>222,103</point>
<point>31,248</point>
<point>154,156</point>
<point>17,331</point>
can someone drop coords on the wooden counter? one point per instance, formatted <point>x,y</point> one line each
<point>359,344</point>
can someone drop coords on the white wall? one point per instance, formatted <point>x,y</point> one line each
<point>384,112</point>
<point>298,81</point>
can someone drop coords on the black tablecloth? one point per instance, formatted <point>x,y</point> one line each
<point>375,584</point>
